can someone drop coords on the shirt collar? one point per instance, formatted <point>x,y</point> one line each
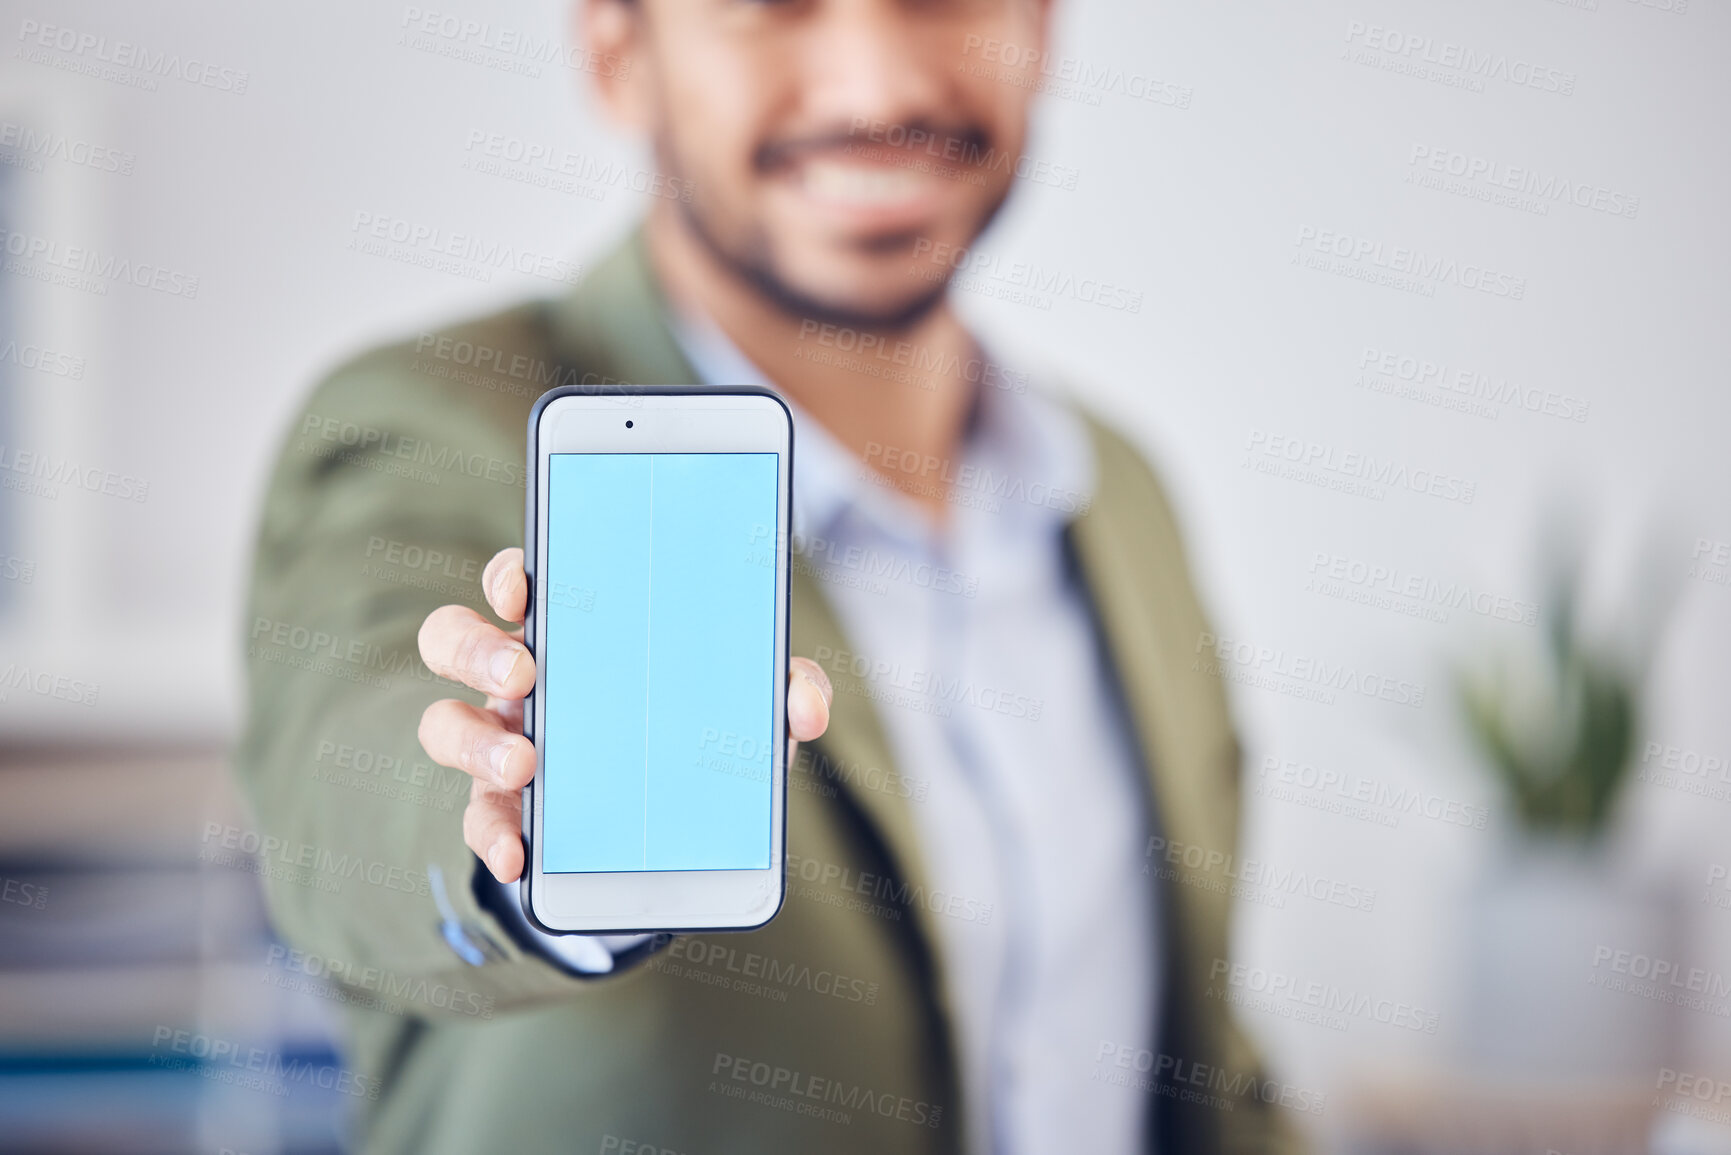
<point>1026,456</point>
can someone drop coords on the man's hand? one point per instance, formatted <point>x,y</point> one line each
<point>488,743</point>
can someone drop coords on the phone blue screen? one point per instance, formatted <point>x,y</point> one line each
<point>659,661</point>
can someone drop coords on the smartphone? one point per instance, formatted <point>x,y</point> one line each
<point>657,531</point>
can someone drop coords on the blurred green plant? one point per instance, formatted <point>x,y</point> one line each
<point>1557,724</point>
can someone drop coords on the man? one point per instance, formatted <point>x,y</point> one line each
<point>992,941</point>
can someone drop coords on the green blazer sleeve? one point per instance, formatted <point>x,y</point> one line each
<point>399,479</point>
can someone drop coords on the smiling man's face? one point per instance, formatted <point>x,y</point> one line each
<point>824,140</point>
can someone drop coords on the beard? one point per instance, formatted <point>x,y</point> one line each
<point>747,252</point>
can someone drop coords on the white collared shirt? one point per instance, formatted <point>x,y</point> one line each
<point>996,700</point>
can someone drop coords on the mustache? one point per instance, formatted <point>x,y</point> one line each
<point>960,143</point>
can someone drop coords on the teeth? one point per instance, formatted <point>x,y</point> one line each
<point>862,184</point>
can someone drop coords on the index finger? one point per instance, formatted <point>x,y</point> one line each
<point>505,584</point>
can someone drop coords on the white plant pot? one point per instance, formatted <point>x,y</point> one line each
<point>1557,939</point>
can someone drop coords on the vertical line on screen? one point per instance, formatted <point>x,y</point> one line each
<point>649,657</point>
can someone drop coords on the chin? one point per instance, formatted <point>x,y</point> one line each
<point>887,280</point>
<point>880,303</point>
<point>886,294</point>
<point>854,278</point>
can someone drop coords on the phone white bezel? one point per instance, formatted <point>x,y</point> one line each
<point>692,420</point>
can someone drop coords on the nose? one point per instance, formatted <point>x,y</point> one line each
<point>878,61</point>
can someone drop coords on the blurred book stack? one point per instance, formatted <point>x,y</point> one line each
<point>136,1008</point>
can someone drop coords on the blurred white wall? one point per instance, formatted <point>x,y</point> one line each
<point>1274,130</point>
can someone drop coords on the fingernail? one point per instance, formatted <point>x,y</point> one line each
<point>497,757</point>
<point>495,856</point>
<point>822,692</point>
<point>504,662</point>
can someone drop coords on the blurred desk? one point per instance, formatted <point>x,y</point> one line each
<point>1452,1114</point>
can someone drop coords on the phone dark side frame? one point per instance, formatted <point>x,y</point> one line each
<point>532,481</point>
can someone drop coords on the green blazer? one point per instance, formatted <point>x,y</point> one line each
<point>830,1029</point>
